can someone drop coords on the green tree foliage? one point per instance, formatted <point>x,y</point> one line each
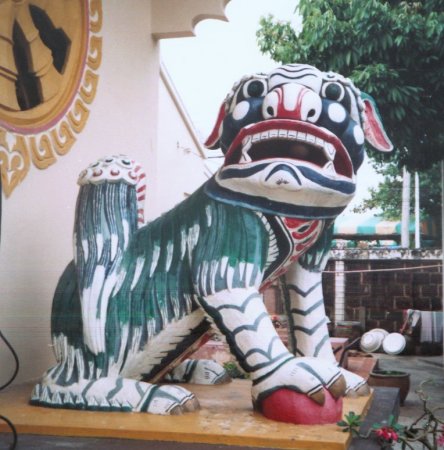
<point>391,49</point>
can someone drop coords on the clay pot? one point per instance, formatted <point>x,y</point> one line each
<point>391,378</point>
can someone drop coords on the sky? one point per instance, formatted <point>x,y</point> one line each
<point>203,68</point>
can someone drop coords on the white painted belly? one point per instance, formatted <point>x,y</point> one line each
<point>160,345</point>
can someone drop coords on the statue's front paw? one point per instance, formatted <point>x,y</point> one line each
<point>301,391</point>
<point>199,371</point>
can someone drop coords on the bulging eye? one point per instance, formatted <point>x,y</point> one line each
<point>270,105</point>
<point>311,107</point>
<point>241,110</point>
<point>333,91</point>
<point>254,88</point>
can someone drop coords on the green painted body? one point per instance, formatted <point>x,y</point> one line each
<point>200,247</point>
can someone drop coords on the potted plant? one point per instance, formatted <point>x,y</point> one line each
<point>427,429</point>
<point>391,378</point>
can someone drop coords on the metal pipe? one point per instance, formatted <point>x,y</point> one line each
<point>405,210</point>
<point>417,213</point>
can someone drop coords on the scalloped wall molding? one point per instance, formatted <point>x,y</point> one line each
<point>180,18</point>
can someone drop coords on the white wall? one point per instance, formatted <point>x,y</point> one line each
<point>181,166</point>
<point>38,217</point>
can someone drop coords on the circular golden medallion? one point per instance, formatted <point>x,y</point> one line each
<point>49,55</point>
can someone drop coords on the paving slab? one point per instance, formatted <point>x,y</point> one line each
<point>422,369</point>
<point>226,417</point>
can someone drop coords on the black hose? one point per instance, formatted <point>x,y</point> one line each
<point>14,354</point>
<point>13,430</point>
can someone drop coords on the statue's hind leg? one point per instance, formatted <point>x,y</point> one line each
<point>115,394</point>
<point>83,380</point>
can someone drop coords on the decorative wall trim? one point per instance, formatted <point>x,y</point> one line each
<point>180,18</point>
<point>386,254</point>
<point>38,135</point>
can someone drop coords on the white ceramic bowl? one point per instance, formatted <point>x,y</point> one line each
<point>371,342</point>
<point>381,331</point>
<point>394,344</point>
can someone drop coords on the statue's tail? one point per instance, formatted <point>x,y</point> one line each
<point>109,210</point>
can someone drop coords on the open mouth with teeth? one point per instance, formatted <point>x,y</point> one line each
<point>290,139</point>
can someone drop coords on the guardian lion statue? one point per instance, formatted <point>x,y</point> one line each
<point>137,297</point>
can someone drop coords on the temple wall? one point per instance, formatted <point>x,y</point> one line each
<point>385,282</point>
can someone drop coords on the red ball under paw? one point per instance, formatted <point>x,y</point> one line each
<point>285,405</point>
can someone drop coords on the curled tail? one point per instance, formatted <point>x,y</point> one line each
<point>109,210</point>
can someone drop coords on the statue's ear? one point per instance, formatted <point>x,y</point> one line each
<point>212,141</point>
<point>374,131</point>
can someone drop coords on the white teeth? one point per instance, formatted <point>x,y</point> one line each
<point>246,145</point>
<point>246,140</point>
<point>245,156</point>
<point>329,168</point>
<point>327,148</point>
<point>275,133</point>
<point>319,142</point>
<point>329,151</point>
<point>311,139</point>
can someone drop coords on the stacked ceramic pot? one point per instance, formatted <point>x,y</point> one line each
<point>381,340</point>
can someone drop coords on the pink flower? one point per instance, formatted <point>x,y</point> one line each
<point>387,434</point>
<point>440,440</point>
